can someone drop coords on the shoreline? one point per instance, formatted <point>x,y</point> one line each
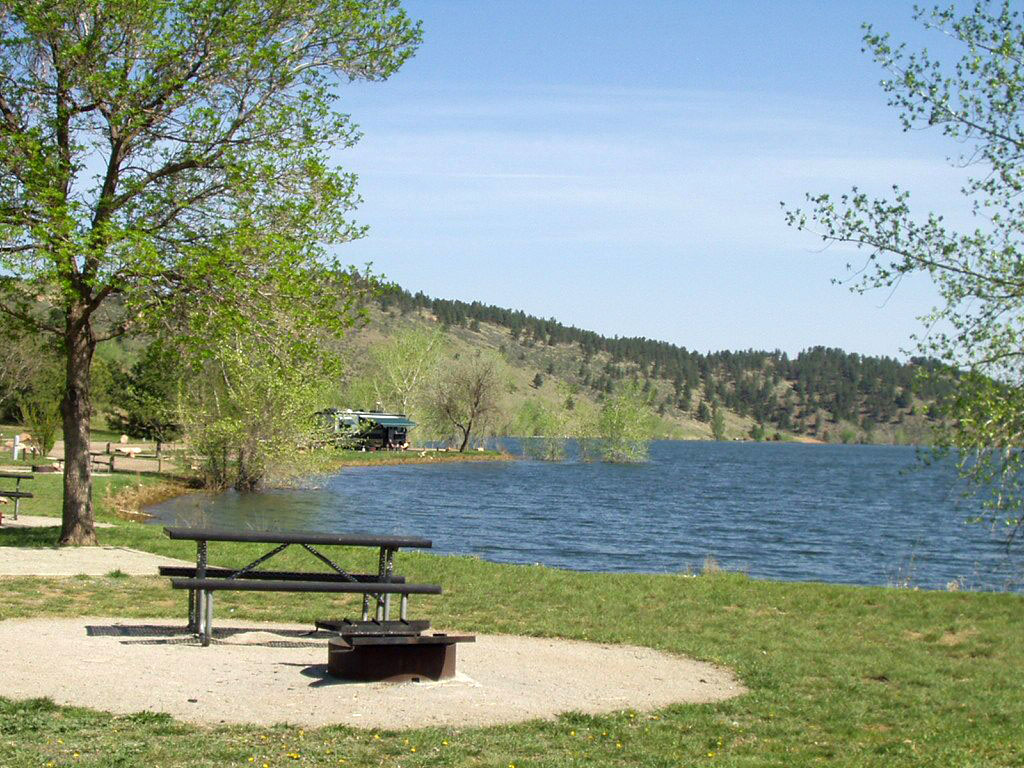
<point>413,456</point>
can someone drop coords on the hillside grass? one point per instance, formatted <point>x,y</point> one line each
<point>838,675</point>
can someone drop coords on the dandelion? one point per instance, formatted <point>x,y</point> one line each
<point>618,745</point>
<point>413,749</point>
<point>252,759</point>
<point>444,742</point>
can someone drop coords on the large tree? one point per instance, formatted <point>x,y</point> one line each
<point>465,398</point>
<point>156,157</point>
<point>976,98</point>
<point>401,370</point>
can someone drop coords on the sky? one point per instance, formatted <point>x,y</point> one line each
<point>620,167</point>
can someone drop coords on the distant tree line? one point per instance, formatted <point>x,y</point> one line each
<point>824,384</point>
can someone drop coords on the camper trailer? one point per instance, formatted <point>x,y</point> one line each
<point>368,430</point>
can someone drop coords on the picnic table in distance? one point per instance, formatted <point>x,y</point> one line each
<point>17,494</point>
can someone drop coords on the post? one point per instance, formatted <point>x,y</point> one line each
<point>382,576</point>
<point>17,499</point>
<point>200,594</point>
<point>389,568</point>
<point>208,624</point>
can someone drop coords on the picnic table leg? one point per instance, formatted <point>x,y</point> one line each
<point>208,623</point>
<point>366,605</point>
<point>17,500</point>
<point>200,595</point>
<point>389,569</point>
<point>382,574</point>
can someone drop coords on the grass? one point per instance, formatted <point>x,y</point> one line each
<point>837,675</point>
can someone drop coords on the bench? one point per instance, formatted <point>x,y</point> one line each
<point>203,580</point>
<point>16,494</point>
<point>189,572</point>
<point>101,460</point>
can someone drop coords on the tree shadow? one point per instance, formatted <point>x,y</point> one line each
<point>29,537</point>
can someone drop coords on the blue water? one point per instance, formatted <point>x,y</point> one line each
<point>847,514</point>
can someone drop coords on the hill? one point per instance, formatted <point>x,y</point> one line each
<point>821,394</point>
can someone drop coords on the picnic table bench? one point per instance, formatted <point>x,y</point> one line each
<point>203,580</point>
<point>17,494</point>
<point>377,648</point>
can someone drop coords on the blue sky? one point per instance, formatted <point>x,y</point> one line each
<point>619,166</point>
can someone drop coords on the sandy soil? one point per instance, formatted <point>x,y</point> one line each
<point>74,561</point>
<point>39,521</point>
<point>266,673</point>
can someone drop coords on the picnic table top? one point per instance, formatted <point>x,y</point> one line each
<point>298,537</point>
<point>16,475</point>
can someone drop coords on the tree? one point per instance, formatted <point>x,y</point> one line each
<point>144,399</point>
<point>466,397</point>
<point>703,412</point>
<point>39,404</point>
<point>717,423</point>
<point>156,158</point>
<point>22,360</point>
<point>401,369</point>
<point>977,101</point>
<point>625,425</point>
<point>542,429</point>
<point>250,406</point>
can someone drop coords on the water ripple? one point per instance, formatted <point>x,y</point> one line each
<point>849,514</point>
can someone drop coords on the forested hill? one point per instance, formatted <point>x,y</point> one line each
<point>822,392</point>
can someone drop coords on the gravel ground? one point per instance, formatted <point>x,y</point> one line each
<point>39,521</point>
<point>272,673</point>
<point>74,561</point>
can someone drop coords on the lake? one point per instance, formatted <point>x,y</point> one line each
<point>867,515</point>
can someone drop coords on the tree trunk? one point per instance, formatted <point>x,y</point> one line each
<point>465,437</point>
<point>77,526</point>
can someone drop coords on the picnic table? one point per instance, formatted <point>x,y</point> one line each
<point>17,494</point>
<point>203,580</point>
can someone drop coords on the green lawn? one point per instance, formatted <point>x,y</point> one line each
<point>837,675</point>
